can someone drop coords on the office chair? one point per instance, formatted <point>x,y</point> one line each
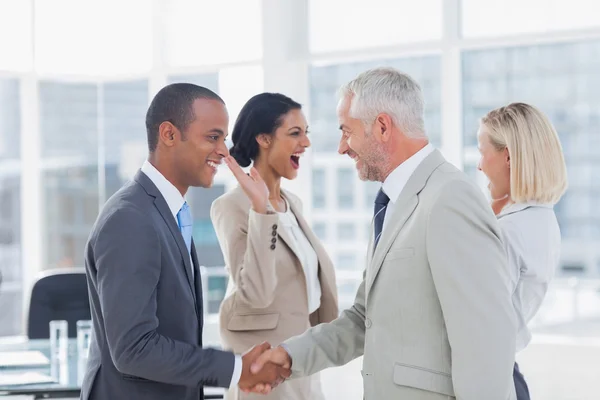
<point>59,294</point>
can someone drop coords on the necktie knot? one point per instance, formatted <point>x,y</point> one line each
<point>184,216</point>
<point>382,199</point>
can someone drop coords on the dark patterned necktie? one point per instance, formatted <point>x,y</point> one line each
<point>381,202</point>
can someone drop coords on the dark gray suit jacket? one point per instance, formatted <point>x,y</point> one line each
<point>146,306</point>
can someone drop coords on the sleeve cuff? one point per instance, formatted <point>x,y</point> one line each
<point>237,372</point>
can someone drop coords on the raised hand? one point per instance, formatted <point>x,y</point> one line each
<point>264,380</point>
<point>253,185</point>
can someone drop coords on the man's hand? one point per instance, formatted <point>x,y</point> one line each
<point>254,186</point>
<point>270,357</point>
<point>264,379</point>
<point>277,355</point>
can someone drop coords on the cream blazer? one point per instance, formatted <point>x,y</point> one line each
<point>267,296</point>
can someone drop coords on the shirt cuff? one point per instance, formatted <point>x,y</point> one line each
<point>237,372</point>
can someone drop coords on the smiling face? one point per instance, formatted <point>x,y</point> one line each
<point>494,163</point>
<point>201,147</point>
<point>359,144</point>
<point>288,144</point>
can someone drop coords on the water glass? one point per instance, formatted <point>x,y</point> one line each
<point>84,336</point>
<point>59,340</point>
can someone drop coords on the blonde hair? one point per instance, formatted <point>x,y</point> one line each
<point>537,166</point>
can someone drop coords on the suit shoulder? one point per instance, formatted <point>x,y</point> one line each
<point>234,200</point>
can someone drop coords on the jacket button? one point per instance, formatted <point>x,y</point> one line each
<point>368,323</point>
<point>273,240</point>
<point>272,247</point>
<point>274,226</point>
<point>274,233</point>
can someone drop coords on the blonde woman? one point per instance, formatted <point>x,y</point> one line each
<point>523,159</point>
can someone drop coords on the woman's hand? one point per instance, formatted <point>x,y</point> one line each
<point>253,185</point>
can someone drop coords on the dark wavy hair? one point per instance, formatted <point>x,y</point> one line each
<point>263,113</point>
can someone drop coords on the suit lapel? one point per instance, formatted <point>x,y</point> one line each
<point>198,288</point>
<point>403,208</point>
<point>161,205</point>
<point>324,273</point>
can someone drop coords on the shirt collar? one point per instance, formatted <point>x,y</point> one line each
<point>397,179</point>
<point>516,207</point>
<point>172,196</point>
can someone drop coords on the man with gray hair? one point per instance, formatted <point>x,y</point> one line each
<point>433,315</point>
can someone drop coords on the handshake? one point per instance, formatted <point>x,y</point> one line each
<point>263,368</point>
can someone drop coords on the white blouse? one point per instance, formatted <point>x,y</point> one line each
<point>307,255</point>
<point>531,238</point>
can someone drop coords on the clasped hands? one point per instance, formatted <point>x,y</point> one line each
<point>263,368</point>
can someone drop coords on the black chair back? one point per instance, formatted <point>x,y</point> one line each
<point>58,295</point>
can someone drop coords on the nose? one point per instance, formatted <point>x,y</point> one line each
<point>479,166</point>
<point>343,146</point>
<point>306,142</point>
<point>222,149</point>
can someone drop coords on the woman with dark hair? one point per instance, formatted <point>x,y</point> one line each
<point>282,281</point>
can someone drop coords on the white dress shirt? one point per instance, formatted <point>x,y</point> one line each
<point>307,255</point>
<point>531,238</point>
<point>175,201</point>
<point>397,179</point>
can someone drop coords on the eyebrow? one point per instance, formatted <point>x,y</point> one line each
<point>296,127</point>
<point>217,131</point>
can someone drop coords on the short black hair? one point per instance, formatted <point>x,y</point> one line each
<point>174,103</point>
<point>263,113</point>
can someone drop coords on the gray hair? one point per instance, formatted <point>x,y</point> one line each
<point>389,91</point>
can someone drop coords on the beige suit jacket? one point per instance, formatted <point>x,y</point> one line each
<point>433,315</point>
<point>267,296</point>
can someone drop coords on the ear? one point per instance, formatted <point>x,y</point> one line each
<point>506,157</point>
<point>264,140</point>
<point>383,127</point>
<point>167,133</point>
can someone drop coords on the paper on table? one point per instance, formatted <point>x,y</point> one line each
<point>22,358</point>
<point>25,378</point>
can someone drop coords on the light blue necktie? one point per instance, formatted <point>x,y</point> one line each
<point>184,219</point>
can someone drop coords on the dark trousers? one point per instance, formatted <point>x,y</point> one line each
<point>520,384</point>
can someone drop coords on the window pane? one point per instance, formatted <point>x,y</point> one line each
<point>203,32</point>
<point>318,190</point>
<point>564,82</point>
<point>70,208</point>
<point>347,262</point>
<point>320,229</point>
<point>69,120</point>
<point>490,18</point>
<point>336,24</point>
<point>69,135</point>
<point>326,80</point>
<point>91,37</point>
<point>15,35</point>
<point>346,231</point>
<point>345,183</point>
<point>124,130</point>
